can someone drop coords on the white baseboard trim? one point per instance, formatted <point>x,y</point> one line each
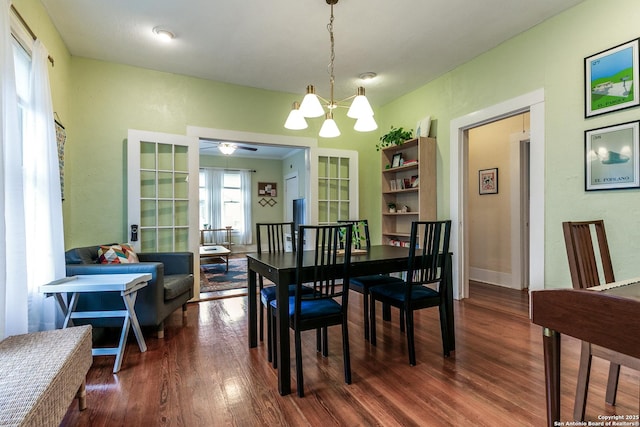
<point>497,278</point>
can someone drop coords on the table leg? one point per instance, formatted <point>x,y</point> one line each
<point>252,309</point>
<point>72,306</point>
<point>449,304</point>
<point>282,326</point>
<point>130,303</point>
<point>62,304</point>
<point>551,342</point>
<point>122,344</point>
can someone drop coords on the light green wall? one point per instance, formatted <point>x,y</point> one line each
<point>99,101</point>
<point>110,98</point>
<point>549,56</point>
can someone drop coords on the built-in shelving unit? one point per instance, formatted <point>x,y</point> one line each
<point>410,184</point>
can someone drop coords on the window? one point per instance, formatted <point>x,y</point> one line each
<point>225,200</point>
<point>31,188</point>
<point>232,206</point>
<point>22,65</point>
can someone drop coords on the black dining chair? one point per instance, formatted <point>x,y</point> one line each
<point>362,284</point>
<point>425,285</point>
<point>326,271</point>
<point>276,234</point>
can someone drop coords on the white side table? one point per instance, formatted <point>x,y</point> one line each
<point>128,286</point>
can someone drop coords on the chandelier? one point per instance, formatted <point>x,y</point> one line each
<point>314,106</point>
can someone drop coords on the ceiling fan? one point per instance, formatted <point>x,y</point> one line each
<point>225,147</point>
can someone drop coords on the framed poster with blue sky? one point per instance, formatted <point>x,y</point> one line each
<point>611,79</point>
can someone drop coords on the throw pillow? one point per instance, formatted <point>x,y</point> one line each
<point>117,254</point>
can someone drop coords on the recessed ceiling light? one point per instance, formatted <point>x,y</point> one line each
<point>163,34</point>
<point>369,75</point>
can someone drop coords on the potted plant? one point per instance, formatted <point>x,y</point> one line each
<point>392,207</point>
<point>395,136</point>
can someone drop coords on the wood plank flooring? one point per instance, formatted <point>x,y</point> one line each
<point>204,374</point>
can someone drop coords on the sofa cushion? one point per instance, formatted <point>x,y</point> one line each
<point>117,254</point>
<point>176,285</point>
<point>85,255</point>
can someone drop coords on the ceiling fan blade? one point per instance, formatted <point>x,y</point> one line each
<point>241,147</point>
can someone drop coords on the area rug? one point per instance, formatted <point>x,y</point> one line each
<point>213,277</point>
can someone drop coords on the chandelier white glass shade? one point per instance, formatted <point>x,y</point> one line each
<point>295,120</point>
<point>329,128</point>
<point>226,148</point>
<point>365,124</point>
<point>314,106</point>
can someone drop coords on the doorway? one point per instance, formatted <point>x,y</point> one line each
<point>498,210</point>
<point>534,103</point>
<point>291,192</point>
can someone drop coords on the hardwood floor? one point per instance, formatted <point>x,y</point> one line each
<point>204,374</point>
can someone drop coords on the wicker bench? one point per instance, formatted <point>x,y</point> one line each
<point>40,373</point>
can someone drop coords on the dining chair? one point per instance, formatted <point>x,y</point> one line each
<point>583,265</point>
<point>426,282</point>
<point>362,284</point>
<point>276,234</point>
<point>326,271</point>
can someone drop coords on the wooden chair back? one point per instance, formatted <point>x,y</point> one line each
<point>331,260</point>
<point>583,265</point>
<point>275,233</point>
<point>432,237</point>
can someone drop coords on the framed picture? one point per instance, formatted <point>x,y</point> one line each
<point>611,157</point>
<point>488,181</point>
<point>611,79</point>
<point>423,126</point>
<point>397,160</point>
<point>267,189</point>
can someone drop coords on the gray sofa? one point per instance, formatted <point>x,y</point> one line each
<point>171,285</point>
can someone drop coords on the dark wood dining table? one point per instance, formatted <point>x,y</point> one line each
<point>280,268</point>
<point>608,318</point>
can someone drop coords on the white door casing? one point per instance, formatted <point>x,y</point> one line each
<point>291,192</point>
<point>519,181</point>
<point>534,103</point>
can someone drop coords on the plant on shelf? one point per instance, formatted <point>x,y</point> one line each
<point>357,238</point>
<point>395,136</point>
<point>392,207</point>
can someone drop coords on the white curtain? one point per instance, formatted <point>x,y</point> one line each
<point>214,183</point>
<point>245,187</point>
<point>213,179</point>
<point>43,198</point>
<point>13,267</point>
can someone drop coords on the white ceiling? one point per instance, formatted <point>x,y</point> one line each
<point>283,45</point>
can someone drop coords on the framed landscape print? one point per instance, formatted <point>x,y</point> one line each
<point>488,181</point>
<point>611,157</point>
<point>611,79</point>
